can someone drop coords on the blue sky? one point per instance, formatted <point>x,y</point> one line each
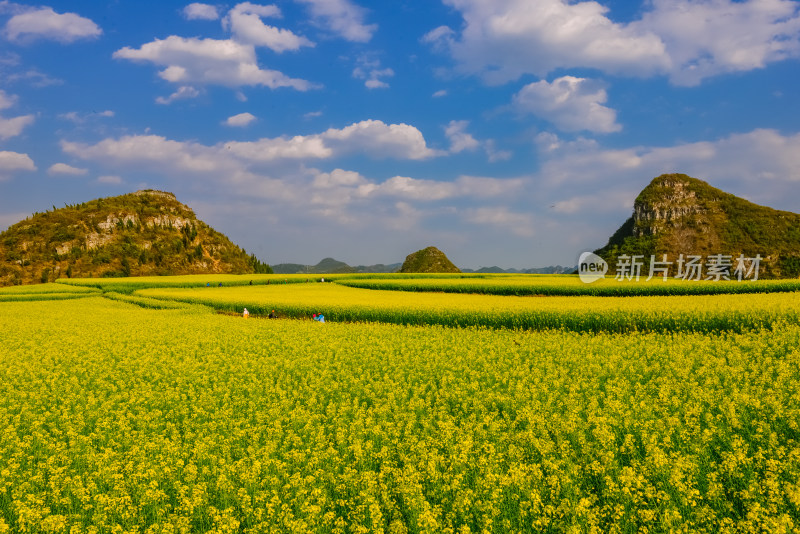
<point>505,132</point>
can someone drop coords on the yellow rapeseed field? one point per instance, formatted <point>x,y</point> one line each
<point>119,418</point>
<point>583,313</point>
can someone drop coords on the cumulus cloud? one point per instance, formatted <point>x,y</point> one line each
<point>63,168</point>
<point>12,127</point>
<point>198,11</point>
<point>460,140</point>
<point>687,40</point>
<point>208,61</point>
<point>707,38</point>
<point>380,140</point>
<point>572,104</point>
<point>372,137</point>
<point>502,40</point>
<point>341,17</point>
<point>11,162</point>
<point>44,23</point>
<point>245,23</point>
<point>191,62</point>
<point>242,119</point>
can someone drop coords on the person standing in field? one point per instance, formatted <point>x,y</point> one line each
<point>245,313</point>
<point>273,315</point>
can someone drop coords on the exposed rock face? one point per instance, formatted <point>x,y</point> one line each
<point>428,260</point>
<point>677,214</point>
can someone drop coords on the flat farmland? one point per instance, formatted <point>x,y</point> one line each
<point>152,412</point>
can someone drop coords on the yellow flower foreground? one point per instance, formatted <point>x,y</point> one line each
<point>117,418</point>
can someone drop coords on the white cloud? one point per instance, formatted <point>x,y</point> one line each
<point>297,147</point>
<point>493,153</point>
<point>572,104</point>
<point>378,139</point>
<point>81,118</point>
<point>242,119</point>
<point>154,152</point>
<point>12,127</point>
<point>34,78</point>
<point>342,17</point>
<point>460,140</point>
<point>44,23</point>
<point>6,100</point>
<point>431,190</point>
<point>502,217</point>
<point>11,162</point>
<point>184,92</point>
<point>502,40</point>
<point>198,11</point>
<point>109,180</point>
<point>245,23</point>
<point>687,40</point>
<point>63,168</point>
<point>369,69</point>
<point>440,93</point>
<point>711,37</point>
<point>209,61</point>
<point>597,202</point>
<point>372,137</point>
<point>739,163</point>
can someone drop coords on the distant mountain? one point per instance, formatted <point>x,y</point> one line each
<point>332,266</point>
<point>677,214</point>
<point>143,233</point>
<point>379,268</point>
<point>553,269</point>
<point>326,266</point>
<point>428,260</point>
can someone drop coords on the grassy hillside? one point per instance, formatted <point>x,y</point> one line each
<point>143,233</point>
<point>428,260</point>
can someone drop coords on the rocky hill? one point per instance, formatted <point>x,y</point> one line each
<point>677,214</point>
<point>428,260</point>
<point>142,233</point>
